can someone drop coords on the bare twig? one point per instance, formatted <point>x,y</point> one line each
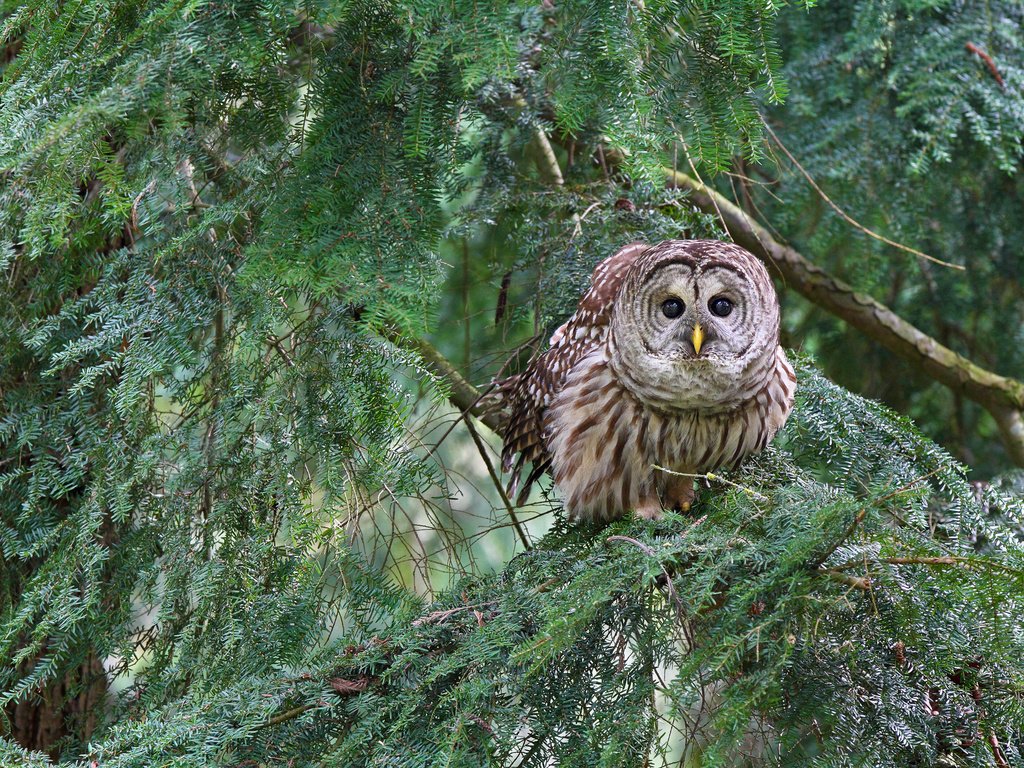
<point>970,563</point>
<point>437,616</point>
<point>276,344</point>
<point>134,219</point>
<point>646,549</point>
<point>712,477</point>
<point>997,751</point>
<point>547,163</point>
<point>845,216</point>
<point>954,560</point>
<point>345,686</point>
<point>992,68</point>
<point>945,560</point>
<point>482,449</point>
<point>464,395</point>
<point>862,583</point>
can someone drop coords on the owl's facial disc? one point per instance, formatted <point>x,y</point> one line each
<point>727,319</point>
<point>661,354</point>
<point>681,301</point>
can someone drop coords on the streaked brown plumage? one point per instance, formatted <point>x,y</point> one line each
<point>649,373</point>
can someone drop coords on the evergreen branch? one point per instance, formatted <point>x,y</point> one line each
<point>169,208</point>
<point>284,717</point>
<point>857,520</point>
<point>859,517</point>
<point>940,560</point>
<point>464,395</point>
<point>1003,397</point>
<point>667,581</point>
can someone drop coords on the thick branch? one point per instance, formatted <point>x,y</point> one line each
<point>1002,396</point>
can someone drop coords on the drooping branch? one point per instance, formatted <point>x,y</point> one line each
<point>1003,397</point>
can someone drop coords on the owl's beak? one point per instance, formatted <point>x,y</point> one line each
<point>698,338</point>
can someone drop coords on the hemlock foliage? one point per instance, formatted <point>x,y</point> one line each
<point>905,125</point>
<point>239,523</point>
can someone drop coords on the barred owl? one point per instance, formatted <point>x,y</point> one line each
<point>671,360</point>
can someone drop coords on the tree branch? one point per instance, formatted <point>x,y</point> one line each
<point>464,395</point>
<point>862,583</point>
<point>1003,397</point>
<point>544,156</point>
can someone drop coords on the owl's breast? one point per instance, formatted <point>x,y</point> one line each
<point>596,433</point>
<point>700,441</point>
<point>691,441</point>
<point>605,444</point>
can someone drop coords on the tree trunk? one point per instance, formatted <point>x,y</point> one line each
<point>63,713</point>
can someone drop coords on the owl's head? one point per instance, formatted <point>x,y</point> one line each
<point>695,325</point>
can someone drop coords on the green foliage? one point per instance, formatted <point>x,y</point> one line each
<point>902,122</point>
<point>781,620</point>
<point>238,525</point>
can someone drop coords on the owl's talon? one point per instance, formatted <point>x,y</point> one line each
<point>649,510</point>
<point>679,493</point>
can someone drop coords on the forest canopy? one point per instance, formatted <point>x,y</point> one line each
<point>260,264</point>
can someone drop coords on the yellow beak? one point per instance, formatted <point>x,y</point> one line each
<point>698,338</point>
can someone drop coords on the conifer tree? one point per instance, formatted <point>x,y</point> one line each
<point>259,262</point>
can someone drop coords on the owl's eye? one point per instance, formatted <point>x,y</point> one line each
<point>672,308</point>
<point>720,306</point>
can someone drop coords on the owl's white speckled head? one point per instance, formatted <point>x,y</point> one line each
<point>695,326</point>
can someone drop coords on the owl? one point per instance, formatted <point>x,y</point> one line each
<point>670,362</point>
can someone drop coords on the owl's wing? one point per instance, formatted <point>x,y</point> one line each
<point>526,395</point>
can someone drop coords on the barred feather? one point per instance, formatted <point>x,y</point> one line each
<point>527,395</point>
